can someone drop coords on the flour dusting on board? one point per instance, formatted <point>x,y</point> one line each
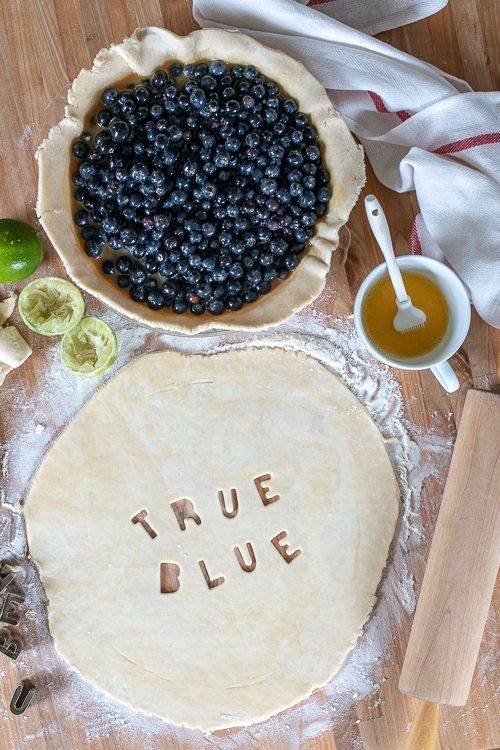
<point>40,415</point>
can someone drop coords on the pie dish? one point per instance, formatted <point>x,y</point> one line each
<point>138,57</point>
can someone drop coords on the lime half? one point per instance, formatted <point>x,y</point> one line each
<point>51,306</point>
<point>20,250</point>
<point>89,348</point>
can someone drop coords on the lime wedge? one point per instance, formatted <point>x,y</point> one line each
<point>20,250</point>
<point>51,306</point>
<point>89,348</point>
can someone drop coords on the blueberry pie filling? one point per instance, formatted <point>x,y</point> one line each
<point>200,186</point>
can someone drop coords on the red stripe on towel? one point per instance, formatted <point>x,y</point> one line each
<point>447,148</point>
<point>465,143</point>
<point>416,248</point>
<point>380,107</point>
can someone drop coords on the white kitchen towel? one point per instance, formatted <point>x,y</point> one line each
<point>421,128</point>
<point>373,16</point>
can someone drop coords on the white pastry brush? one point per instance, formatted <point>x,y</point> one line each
<point>408,316</point>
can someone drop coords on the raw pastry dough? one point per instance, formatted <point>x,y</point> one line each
<point>143,52</point>
<point>7,307</point>
<point>171,427</point>
<point>13,348</point>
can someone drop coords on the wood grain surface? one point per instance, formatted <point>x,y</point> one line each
<point>43,45</point>
<point>463,563</point>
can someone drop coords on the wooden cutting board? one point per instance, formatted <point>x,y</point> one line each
<point>43,45</point>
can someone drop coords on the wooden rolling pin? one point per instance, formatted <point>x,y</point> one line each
<point>460,574</point>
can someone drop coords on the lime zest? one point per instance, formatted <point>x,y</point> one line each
<point>90,348</point>
<point>51,306</point>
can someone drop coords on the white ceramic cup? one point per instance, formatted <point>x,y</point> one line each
<point>458,318</point>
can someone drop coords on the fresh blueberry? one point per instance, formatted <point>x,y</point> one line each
<point>123,264</point>
<point>307,199</point>
<point>80,195</point>
<point>179,197</point>
<point>159,79</point>
<point>103,118</point>
<point>137,275</point>
<point>108,267</point>
<point>300,120</point>
<point>308,218</point>
<point>233,144</point>
<point>169,290</point>
<point>155,299</point>
<point>290,262</point>
<point>323,177</point>
<point>249,72</point>
<point>270,116</point>
<point>215,307</point>
<point>295,158</point>
<point>264,287</point>
<point>179,306</point>
<point>109,97</point>
<point>141,94</point>
<point>302,234</point>
<point>93,248</point>
<point>312,153</point>
<point>80,149</point>
<point>138,293</point>
<point>198,98</point>
<point>234,303</point>
<point>268,186</point>
<point>250,295</point>
<point>266,259</point>
<point>110,224</point>
<point>176,70</point>
<point>81,218</point>
<point>217,68</point>
<point>150,264</point>
<point>128,236</point>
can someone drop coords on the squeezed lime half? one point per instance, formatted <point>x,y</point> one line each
<point>51,306</point>
<point>89,348</point>
<point>20,250</point>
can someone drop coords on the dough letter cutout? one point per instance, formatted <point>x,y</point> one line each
<point>11,647</point>
<point>283,548</point>
<point>169,577</point>
<point>264,490</point>
<point>23,695</point>
<point>247,567</point>
<point>234,500</point>
<point>183,510</point>
<point>8,613</point>
<point>141,518</point>
<point>206,575</point>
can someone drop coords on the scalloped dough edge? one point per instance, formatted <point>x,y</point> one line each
<point>141,53</point>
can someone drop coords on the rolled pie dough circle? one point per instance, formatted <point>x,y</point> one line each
<point>169,427</point>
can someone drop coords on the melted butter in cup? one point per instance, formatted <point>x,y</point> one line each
<point>434,288</point>
<point>379,310</point>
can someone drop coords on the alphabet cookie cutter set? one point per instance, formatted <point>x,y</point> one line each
<point>10,645</point>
